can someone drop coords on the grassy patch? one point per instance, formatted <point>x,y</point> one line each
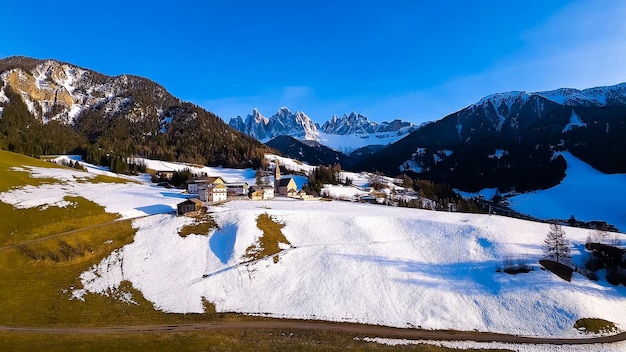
<point>268,243</point>
<point>561,270</point>
<point>43,251</point>
<point>20,225</point>
<point>201,226</point>
<point>595,326</point>
<point>11,178</point>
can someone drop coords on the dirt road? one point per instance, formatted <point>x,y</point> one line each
<point>357,329</point>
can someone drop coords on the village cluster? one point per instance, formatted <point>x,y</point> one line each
<point>215,189</point>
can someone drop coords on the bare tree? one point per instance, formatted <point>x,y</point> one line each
<point>599,235</point>
<point>556,246</point>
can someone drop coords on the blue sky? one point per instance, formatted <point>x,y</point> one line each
<point>414,60</point>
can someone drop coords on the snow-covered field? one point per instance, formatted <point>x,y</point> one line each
<point>586,193</point>
<point>362,263</point>
<point>347,262</point>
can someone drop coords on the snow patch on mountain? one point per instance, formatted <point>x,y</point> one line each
<point>574,121</point>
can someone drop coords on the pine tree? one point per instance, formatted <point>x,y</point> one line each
<point>556,246</point>
<point>259,177</point>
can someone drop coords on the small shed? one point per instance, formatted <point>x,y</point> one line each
<point>188,206</point>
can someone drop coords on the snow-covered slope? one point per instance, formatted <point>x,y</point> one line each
<point>346,262</point>
<point>361,263</point>
<point>585,193</point>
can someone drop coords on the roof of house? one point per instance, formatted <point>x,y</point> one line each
<point>210,179</point>
<point>257,187</point>
<point>195,201</point>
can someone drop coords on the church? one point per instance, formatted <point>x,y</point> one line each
<point>284,186</point>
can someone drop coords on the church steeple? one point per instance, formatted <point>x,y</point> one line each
<point>276,174</point>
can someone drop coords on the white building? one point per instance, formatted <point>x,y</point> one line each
<point>193,186</point>
<point>216,192</point>
<point>237,188</point>
<point>262,192</point>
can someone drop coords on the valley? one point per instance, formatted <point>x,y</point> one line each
<point>366,264</point>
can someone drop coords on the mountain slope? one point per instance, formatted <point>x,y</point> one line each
<point>308,151</point>
<point>105,115</point>
<point>508,140</point>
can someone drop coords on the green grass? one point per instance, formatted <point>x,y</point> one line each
<point>268,243</point>
<point>201,226</point>
<point>12,178</point>
<point>595,326</point>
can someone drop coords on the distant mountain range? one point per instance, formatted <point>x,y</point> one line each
<point>512,140</point>
<point>345,134</point>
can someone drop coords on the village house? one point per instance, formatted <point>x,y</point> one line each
<point>237,188</point>
<point>164,174</point>
<point>193,186</point>
<point>262,192</point>
<point>215,192</point>
<point>188,206</point>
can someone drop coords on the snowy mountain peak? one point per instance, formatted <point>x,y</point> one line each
<point>597,96</point>
<point>284,122</point>
<point>355,123</point>
<point>508,99</point>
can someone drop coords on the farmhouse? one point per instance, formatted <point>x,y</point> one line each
<point>193,186</point>
<point>262,192</point>
<point>237,188</point>
<point>188,206</point>
<point>215,192</point>
<point>164,174</point>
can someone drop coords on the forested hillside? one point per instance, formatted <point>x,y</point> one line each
<point>49,107</point>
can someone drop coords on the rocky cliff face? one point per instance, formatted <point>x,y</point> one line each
<point>56,91</point>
